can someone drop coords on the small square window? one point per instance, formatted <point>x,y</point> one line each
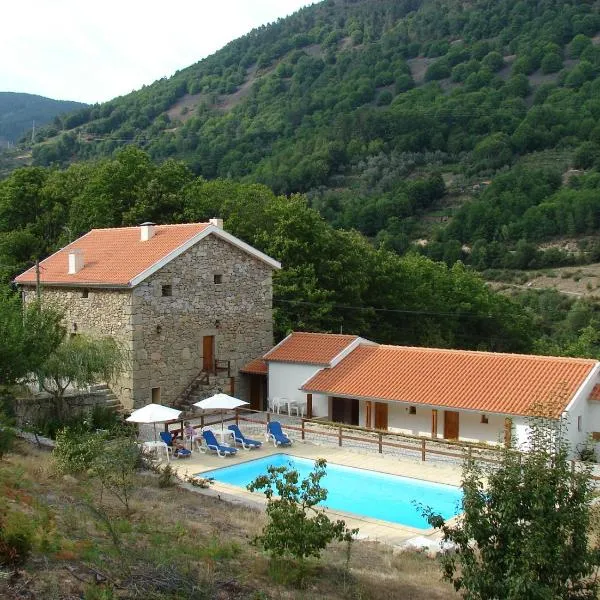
<point>167,290</point>
<point>484,419</point>
<point>412,410</point>
<point>85,293</point>
<point>218,278</point>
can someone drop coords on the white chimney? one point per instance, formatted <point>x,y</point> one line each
<point>216,222</point>
<point>147,231</point>
<point>75,261</point>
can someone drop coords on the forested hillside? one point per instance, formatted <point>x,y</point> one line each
<point>390,116</point>
<point>332,279</point>
<point>19,111</point>
<point>439,129</point>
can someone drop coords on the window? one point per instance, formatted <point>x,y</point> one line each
<point>85,293</point>
<point>484,419</point>
<point>412,410</point>
<point>218,278</point>
<point>579,423</point>
<point>167,290</point>
<point>156,395</point>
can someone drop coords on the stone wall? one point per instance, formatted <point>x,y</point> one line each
<point>102,313</point>
<point>41,407</point>
<point>169,330</point>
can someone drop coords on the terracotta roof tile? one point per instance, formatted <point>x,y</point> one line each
<point>113,256</point>
<point>480,381</point>
<point>595,395</point>
<point>256,367</point>
<point>310,348</point>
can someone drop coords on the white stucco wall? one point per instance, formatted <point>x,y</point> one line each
<point>581,416</point>
<point>285,380</point>
<point>471,429</point>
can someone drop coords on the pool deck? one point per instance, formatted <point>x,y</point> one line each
<point>373,529</point>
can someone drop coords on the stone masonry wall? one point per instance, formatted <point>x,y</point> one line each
<point>168,330</point>
<point>103,313</point>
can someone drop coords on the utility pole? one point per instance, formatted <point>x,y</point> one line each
<point>38,288</point>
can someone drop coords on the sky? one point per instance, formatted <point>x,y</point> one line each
<point>92,51</point>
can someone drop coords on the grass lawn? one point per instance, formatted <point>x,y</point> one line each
<point>175,543</point>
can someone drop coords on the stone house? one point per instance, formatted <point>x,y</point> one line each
<point>430,392</point>
<point>184,300</point>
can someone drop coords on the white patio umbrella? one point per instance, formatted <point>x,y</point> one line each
<point>154,413</point>
<point>220,402</point>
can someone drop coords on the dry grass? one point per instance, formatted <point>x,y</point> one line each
<point>178,544</point>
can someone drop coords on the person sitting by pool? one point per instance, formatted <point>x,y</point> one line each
<point>190,433</point>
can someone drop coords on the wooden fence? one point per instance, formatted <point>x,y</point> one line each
<point>350,435</point>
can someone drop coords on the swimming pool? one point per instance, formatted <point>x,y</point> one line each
<point>364,493</point>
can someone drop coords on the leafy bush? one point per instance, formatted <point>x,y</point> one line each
<point>16,539</point>
<point>115,467</point>
<point>291,532</point>
<point>7,435</point>
<point>77,448</point>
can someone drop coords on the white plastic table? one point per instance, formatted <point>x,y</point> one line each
<point>157,446</point>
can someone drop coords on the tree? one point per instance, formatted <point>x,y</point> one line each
<point>115,467</point>
<point>27,337</point>
<point>296,527</point>
<point>524,534</point>
<point>80,361</point>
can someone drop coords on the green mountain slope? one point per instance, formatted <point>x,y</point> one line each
<point>19,111</point>
<point>389,114</point>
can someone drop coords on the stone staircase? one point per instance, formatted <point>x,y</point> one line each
<point>203,386</point>
<point>110,399</point>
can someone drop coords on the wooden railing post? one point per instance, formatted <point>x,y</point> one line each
<point>302,428</point>
<point>423,450</point>
<point>237,417</point>
<point>268,417</point>
<point>309,406</point>
<point>380,443</point>
<point>340,435</point>
<point>232,385</point>
<point>202,421</point>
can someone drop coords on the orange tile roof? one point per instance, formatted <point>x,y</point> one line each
<point>310,348</point>
<point>595,395</point>
<point>480,381</point>
<point>256,367</point>
<point>113,256</point>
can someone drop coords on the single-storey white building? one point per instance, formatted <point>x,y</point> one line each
<point>438,393</point>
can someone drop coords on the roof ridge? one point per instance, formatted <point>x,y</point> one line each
<point>488,353</point>
<point>155,224</point>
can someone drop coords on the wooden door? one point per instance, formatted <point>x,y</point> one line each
<point>381,415</point>
<point>258,386</point>
<point>208,353</point>
<point>450,425</point>
<point>344,410</point>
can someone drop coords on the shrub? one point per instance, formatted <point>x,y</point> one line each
<point>76,449</point>
<point>16,539</point>
<point>115,467</point>
<point>291,532</point>
<point>165,478</point>
<point>7,435</point>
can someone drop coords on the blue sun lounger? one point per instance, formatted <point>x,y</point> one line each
<point>167,438</point>
<point>241,439</point>
<point>213,444</point>
<point>275,433</point>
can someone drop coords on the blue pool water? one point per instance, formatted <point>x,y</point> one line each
<point>364,493</point>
